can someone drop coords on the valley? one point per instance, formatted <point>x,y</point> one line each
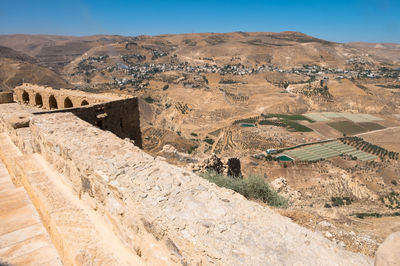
<point>318,120</point>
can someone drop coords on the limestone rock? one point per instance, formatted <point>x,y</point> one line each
<point>170,151</point>
<point>19,121</point>
<point>213,163</point>
<point>388,253</point>
<point>281,186</point>
<point>154,206</point>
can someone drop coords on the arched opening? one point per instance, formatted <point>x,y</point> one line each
<point>53,102</point>
<point>84,102</point>
<point>38,100</point>
<point>68,103</point>
<point>25,97</point>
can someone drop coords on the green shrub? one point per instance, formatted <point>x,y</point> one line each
<point>253,187</point>
<point>192,149</point>
<point>193,134</point>
<point>361,215</point>
<point>227,81</point>
<point>209,141</point>
<point>148,99</point>
<point>250,120</point>
<point>269,157</point>
<point>165,87</point>
<point>296,126</point>
<point>340,201</point>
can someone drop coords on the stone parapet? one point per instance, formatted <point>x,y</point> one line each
<point>151,201</point>
<point>50,99</point>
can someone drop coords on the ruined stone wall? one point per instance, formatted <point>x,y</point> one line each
<point>6,97</point>
<point>195,221</point>
<point>50,99</point>
<point>121,117</point>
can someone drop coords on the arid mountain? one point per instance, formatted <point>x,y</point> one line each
<point>388,52</point>
<point>16,67</point>
<point>55,51</point>
<point>285,49</point>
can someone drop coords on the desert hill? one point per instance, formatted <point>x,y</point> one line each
<point>16,67</point>
<point>286,49</point>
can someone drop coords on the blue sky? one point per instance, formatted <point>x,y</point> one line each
<point>334,20</point>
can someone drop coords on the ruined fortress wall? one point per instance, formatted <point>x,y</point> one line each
<point>197,222</point>
<point>6,97</point>
<point>120,117</point>
<point>49,98</point>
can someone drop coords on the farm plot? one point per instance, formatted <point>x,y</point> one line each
<point>327,150</point>
<point>370,126</point>
<point>356,118</point>
<point>331,115</point>
<point>351,128</point>
<point>280,120</point>
<point>347,127</point>
<point>318,117</point>
<point>313,153</point>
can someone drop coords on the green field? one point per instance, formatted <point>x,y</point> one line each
<point>283,120</point>
<point>327,150</point>
<point>288,117</point>
<point>293,126</point>
<point>347,127</point>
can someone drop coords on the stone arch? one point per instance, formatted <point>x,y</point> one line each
<point>68,103</point>
<point>53,102</point>
<point>84,102</point>
<point>25,97</point>
<point>38,100</point>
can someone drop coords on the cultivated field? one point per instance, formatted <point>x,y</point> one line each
<point>327,150</point>
<point>329,116</point>
<point>347,127</point>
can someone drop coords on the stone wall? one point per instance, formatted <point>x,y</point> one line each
<point>50,99</point>
<point>195,221</point>
<point>6,97</point>
<point>121,117</point>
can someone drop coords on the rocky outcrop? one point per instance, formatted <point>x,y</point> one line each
<point>388,253</point>
<point>229,166</point>
<point>171,152</point>
<point>281,186</point>
<point>19,121</point>
<point>212,163</point>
